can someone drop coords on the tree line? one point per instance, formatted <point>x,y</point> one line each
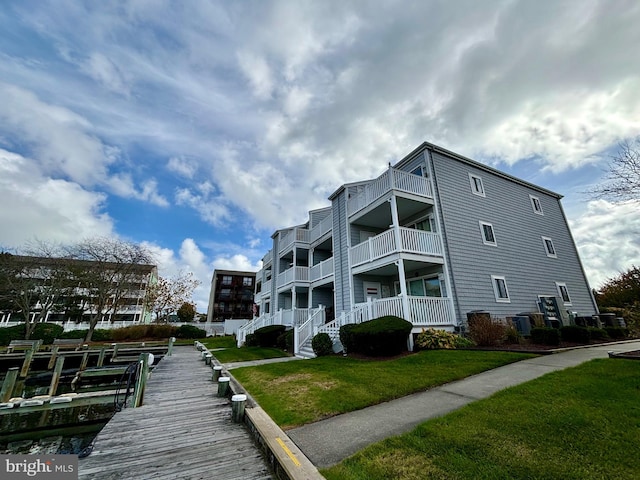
<point>92,279</point>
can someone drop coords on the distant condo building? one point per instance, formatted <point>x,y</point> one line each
<point>231,295</point>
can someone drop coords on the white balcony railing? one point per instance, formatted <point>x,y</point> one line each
<point>389,180</point>
<point>293,274</point>
<point>321,228</point>
<point>300,235</point>
<point>411,241</point>
<point>268,257</point>
<point>322,270</point>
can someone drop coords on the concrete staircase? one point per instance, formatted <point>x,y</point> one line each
<point>306,351</point>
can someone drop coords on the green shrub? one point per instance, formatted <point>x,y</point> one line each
<point>134,332</point>
<point>598,333</point>
<point>161,331</point>
<point>463,342</point>
<point>322,344</point>
<point>47,332</point>
<point>346,337</point>
<point>17,332</point>
<point>511,335</point>
<point>251,340</point>
<point>381,336</point>
<point>486,332</point>
<point>268,336</point>
<point>285,341</point>
<point>432,339</point>
<point>617,332</point>
<point>575,333</point>
<point>189,331</point>
<point>545,336</point>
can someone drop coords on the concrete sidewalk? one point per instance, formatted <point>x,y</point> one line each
<point>330,441</point>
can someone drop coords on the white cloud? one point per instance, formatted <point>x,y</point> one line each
<point>258,73</point>
<point>182,166</point>
<point>122,185</point>
<point>203,199</point>
<point>235,262</point>
<point>607,236</point>
<point>107,73</point>
<point>36,207</point>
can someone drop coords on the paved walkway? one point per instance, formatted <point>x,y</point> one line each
<point>330,441</point>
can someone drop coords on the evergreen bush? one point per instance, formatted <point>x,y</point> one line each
<point>575,333</point>
<point>617,332</point>
<point>381,336</point>
<point>545,336</point>
<point>268,336</point>
<point>322,345</point>
<point>285,341</point>
<point>190,332</point>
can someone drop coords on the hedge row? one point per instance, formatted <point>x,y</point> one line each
<point>382,336</point>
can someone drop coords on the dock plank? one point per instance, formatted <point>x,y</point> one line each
<point>182,431</point>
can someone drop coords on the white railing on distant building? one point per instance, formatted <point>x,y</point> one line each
<point>325,225</point>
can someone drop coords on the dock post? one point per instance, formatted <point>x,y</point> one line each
<point>217,373</point>
<point>103,351</point>
<point>170,349</point>
<point>55,378</point>
<point>85,360</point>
<point>237,407</point>
<point>223,386</point>
<point>141,380</point>
<point>54,355</point>
<point>207,359</point>
<point>28,356</point>
<point>7,386</point>
<point>115,351</point>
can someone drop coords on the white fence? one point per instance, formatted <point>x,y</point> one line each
<point>412,241</point>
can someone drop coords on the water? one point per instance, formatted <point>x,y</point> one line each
<point>71,440</point>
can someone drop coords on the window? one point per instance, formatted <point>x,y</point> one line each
<point>476,185</point>
<point>418,171</point>
<point>500,289</point>
<point>432,286</point>
<point>427,224</point>
<point>225,293</point>
<point>563,292</point>
<point>226,280</point>
<point>536,205</point>
<point>548,247</point>
<point>488,237</point>
<point>247,281</point>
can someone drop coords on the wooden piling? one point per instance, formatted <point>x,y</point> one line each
<point>55,378</point>
<point>103,351</point>
<point>9,383</point>
<point>237,407</point>
<point>223,386</point>
<point>54,355</point>
<point>141,381</point>
<point>217,373</point>
<point>170,348</point>
<point>207,359</point>
<point>85,360</point>
<point>28,357</point>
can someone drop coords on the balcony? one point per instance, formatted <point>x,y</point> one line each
<point>293,275</point>
<point>267,257</point>
<point>392,179</point>
<point>411,241</point>
<point>323,227</point>
<point>295,235</point>
<point>322,270</point>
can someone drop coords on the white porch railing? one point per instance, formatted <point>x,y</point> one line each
<point>321,270</point>
<point>391,179</point>
<point>293,274</point>
<point>290,317</point>
<point>423,312</point>
<point>412,241</point>
<point>305,331</point>
<point>268,257</point>
<point>321,228</point>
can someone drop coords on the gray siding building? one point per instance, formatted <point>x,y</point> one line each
<point>434,237</point>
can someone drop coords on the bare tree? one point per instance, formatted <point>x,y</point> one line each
<point>31,286</point>
<point>168,294</point>
<point>622,180</point>
<point>108,272</point>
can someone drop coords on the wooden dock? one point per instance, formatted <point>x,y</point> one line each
<point>182,431</point>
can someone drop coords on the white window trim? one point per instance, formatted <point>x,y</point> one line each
<point>533,200</point>
<point>422,170</point>
<point>496,292</point>
<point>546,250</point>
<point>473,185</point>
<point>558,288</point>
<point>484,239</point>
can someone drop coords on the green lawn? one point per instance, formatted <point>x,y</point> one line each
<point>227,341</point>
<point>295,393</point>
<point>579,423</point>
<point>244,354</point>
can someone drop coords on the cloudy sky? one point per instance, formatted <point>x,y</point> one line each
<point>200,127</point>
